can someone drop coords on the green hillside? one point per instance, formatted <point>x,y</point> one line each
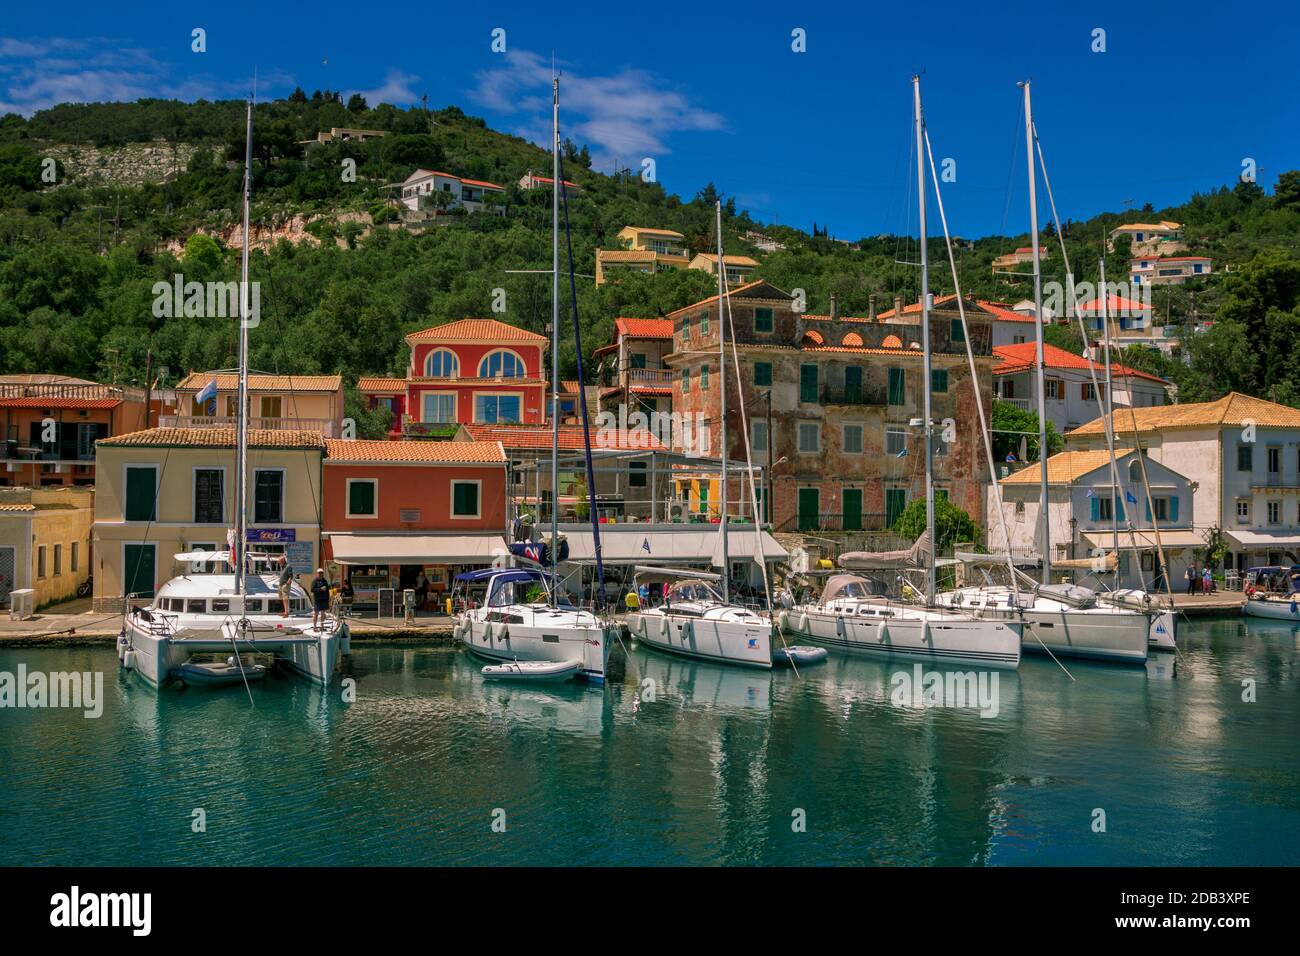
<point>79,256</point>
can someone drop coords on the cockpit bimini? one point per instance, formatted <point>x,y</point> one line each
<point>523,618</point>
<point>199,630</point>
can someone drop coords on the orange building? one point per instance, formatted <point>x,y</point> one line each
<point>51,424</point>
<point>469,371</point>
<point>395,509</point>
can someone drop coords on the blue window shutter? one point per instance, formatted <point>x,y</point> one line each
<point>1173,508</point>
<point>1147,501</point>
<point>1119,508</point>
<point>1096,507</point>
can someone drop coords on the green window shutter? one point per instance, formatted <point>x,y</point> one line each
<point>704,376</point>
<point>958,334</point>
<point>139,571</point>
<point>686,380</point>
<point>140,495</point>
<point>897,386</point>
<point>808,383</point>
<point>1095,513</point>
<point>1148,508</point>
<point>763,320</point>
<point>464,499</point>
<point>852,509</point>
<point>938,380</point>
<point>762,373</point>
<point>361,498</point>
<point>1173,508</point>
<point>853,383</point>
<point>809,508</point>
<point>895,502</point>
<point>1119,507</point>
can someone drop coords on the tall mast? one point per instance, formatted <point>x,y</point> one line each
<point>722,384</point>
<point>925,340</point>
<point>1110,409</point>
<point>555,329</point>
<point>1046,537</point>
<point>241,412</point>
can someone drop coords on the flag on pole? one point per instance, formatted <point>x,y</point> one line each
<point>1128,496</point>
<point>645,545</point>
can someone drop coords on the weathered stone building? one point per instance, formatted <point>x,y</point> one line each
<point>834,402</point>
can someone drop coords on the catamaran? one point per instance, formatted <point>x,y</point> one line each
<point>851,615</point>
<point>209,628</point>
<point>525,618</point>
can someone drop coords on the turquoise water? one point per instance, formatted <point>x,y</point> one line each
<point>712,771</point>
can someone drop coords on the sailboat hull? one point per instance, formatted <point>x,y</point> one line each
<point>720,641</point>
<point>495,641</point>
<point>952,640</point>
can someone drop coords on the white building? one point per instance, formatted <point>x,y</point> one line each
<point>1242,455</point>
<point>1150,238</point>
<point>1084,505</point>
<point>472,195</point>
<point>1154,270</point>
<point>1067,383</point>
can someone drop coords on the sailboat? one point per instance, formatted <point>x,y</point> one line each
<point>697,617</point>
<point>234,614</point>
<point>850,615</point>
<point>525,618</point>
<point>1063,620</point>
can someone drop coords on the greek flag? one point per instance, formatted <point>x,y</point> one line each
<point>1128,496</point>
<point>1091,493</point>
<point>208,392</point>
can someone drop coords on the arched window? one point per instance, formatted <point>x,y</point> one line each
<point>441,364</point>
<point>501,364</point>
<point>1135,471</point>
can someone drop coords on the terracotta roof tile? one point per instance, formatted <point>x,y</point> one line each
<point>539,437</point>
<point>60,402</point>
<point>217,437</point>
<point>1234,409</point>
<point>1064,467</point>
<point>475,330</point>
<point>644,328</point>
<point>1019,358</point>
<point>379,384</point>
<point>340,450</point>
<point>229,381</point>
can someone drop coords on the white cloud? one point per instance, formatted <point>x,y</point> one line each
<point>36,74</point>
<point>396,90</point>
<point>625,115</point>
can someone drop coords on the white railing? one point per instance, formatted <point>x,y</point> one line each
<point>1020,403</point>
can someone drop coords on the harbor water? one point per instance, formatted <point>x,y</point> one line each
<point>1193,761</point>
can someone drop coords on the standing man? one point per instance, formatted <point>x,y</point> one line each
<point>285,585</point>
<point>1190,576</point>
<point>320,593</point>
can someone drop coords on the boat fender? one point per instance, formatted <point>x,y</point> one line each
<point>664,629</point>
<point>783,620</point>
<point>128,659</point>
<point>803,623</point>
<point>643,627</point>
<point>688,631</point>
<point>487,632</point>
<point>505,632</point>
<point>839,626</point>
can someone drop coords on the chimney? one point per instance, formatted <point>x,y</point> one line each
<point>898,306</point>
<point>871,307</point>
<point>835,307</point>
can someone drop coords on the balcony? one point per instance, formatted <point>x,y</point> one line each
<point>1274,480</point>
<point>862,395</point>
<point>833,521</point>
<point>326,426</point>
<point>1020,403</point>
<point>653,377</point>
<point>411,428</point>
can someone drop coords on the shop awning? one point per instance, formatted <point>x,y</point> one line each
<point>416,548</point>
<point>627,544</point>
<point>1263,540</point>
<point>1146,539</point>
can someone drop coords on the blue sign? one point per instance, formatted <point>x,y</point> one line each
<point>271,535</point>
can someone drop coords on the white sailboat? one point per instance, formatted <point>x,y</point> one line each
<point>524,618</point>
<point>1061,620</point>
<point>849,615</point>
<point>697,617</point>
<point>234,612</point>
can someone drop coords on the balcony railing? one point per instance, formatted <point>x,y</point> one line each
<point>59,390</point>
<point>326,426</point>
<point>844,395</point>
<point>1020,403</point>
<point>827,521</point>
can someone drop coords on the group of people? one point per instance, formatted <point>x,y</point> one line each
<point>320,592</point>
<point>1198,582</point>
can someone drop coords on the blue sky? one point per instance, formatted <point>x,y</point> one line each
<point>1182,94</point>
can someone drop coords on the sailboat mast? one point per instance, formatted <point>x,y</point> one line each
<point>555,331</point>
<point>1046,537</point>
<point>1110,408</point>
<point>722,384</point>
<point>925,340</point>
<point>241,417</point>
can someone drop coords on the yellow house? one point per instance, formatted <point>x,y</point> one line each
<point>168,490</point>
<point>644,250</point>
<point>45,541</point>
<point>739,268</point>
<point>311,402</point>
